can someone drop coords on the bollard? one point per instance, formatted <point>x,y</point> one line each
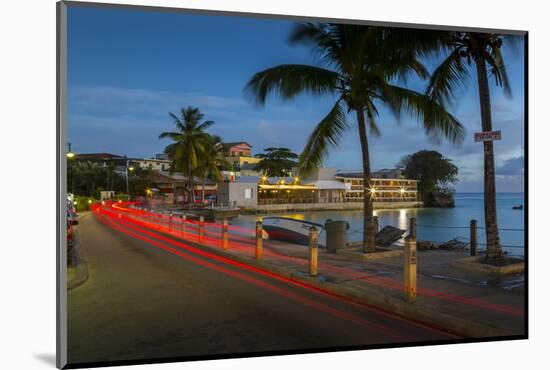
<point>412,228</point>
<point>473,237</point>
<point>225,236</point>
<point>376,225</point>
<point>170,215</point>
<point>259,232</point>
<point>410,269</point>
<point>313,250</point>
<point>201,227</point>
<point>183,224</point>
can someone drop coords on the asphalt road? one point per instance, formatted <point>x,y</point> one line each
<point>142,301</point>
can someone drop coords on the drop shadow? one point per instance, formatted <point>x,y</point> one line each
<point>47,358</point>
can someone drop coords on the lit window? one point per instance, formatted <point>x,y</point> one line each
<point>248,193</point>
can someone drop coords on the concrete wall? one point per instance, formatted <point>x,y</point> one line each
<point>330,206</point>
<point>235,193</point>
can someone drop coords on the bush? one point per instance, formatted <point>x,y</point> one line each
<point>83,203</point>
<point>120,196</point>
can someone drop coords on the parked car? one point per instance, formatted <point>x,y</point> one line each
<point>72,221</point>
<point>72,216</point>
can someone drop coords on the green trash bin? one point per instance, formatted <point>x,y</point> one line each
<point>336,235</point>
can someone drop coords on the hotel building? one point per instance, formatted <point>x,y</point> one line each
<point>386,186</point>
<point>324,189</point>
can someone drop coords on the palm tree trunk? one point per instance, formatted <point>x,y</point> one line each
<point>494,249</point>
<point>368,221</point>
<point>191,200</point>
<point>203,186</point>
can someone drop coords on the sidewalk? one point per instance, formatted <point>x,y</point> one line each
<point>468,303</point>
<point>77,273</point>
<point>465,302</point>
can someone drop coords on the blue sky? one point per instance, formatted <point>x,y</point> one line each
<point>128,68</point>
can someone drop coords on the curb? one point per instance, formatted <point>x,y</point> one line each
<point>452,324</point>
<point>474,263</point>
<point>81,272</point>
<point>358,255</point>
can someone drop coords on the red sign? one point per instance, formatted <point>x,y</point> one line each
<point>487,136</point>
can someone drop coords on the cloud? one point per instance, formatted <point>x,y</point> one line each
<point>511,167</point>
<point>107,100</point>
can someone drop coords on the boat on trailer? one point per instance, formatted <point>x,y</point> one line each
<point>292,230</point>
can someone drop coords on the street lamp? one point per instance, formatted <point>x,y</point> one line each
<point>128,168</point>
<point>70,154</point>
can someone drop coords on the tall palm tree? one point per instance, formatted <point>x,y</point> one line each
<point>360,66</point>
<point>190,144</point>
<point>484,50</point>
<point>212,160</point>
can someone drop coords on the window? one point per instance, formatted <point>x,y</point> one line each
<point>248,193</point>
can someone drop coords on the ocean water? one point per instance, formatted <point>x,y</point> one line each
<point>434,224</point>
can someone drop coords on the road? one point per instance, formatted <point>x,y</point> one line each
<point>149,298</point>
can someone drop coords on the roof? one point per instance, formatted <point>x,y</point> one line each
<point>386,174</point>
<point>249,179</point>
<point>151,160</point>
<point>98,156</point>
<point>176,178</point>
<point>234,143</point>
<point>328,185</point>
<point>287,186</point>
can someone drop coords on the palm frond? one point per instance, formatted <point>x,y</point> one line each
<point>172,135</point>
<point>327,133</point>
<point>448,77</point>
<point>205,125</point>
<point>372,112</point>
<point>290,80</point>
<point>499,71</point>
<point>437,121</point>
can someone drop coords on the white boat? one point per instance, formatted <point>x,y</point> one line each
<point>292,230</point>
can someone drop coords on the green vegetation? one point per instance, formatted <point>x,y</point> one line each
<point>360,65</point>
<point>433,171</point>
<point>83,203</point>
<point>276,162</point>
<point>484,50</point>
<point>211,161</point>
<point>88,179</point>
<point>190,145</point>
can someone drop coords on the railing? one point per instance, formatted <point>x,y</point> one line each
<point>383,199</point>
<point>273,201</point>
<point>238,239</point>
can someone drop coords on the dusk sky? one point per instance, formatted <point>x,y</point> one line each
<point>127,69</point>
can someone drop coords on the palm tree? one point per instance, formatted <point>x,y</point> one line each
<point>360,65</point>
<point>212,160</point>
<point>190,144</point>
<point>484,50</point>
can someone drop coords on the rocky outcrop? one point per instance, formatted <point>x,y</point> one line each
<point>439,199</point>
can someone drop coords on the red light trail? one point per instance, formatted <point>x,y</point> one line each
<point>242,244</point>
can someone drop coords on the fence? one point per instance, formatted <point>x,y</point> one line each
<point>234,238</point>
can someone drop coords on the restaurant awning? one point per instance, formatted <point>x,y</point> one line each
<point>327,185</point>
<point>286,187</point>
